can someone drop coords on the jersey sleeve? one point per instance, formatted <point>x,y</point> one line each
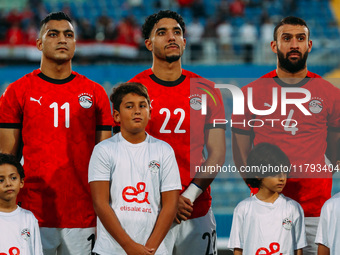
<point>236,239</point>
<point>100,165</point>
<point>299,225</point>
<point>170,179</point>
<point>334,112</point>
<point>36,238</point>
<point>323,227</point>
<point>103,111</point>
<point>11,111</point>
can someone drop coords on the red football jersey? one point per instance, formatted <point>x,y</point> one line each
<point>302,137</point>
<point>177,119</point>
<point>59,119</point>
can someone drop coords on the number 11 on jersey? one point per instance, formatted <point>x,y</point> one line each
<point>65,107</point>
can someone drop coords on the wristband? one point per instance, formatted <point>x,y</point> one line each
<point>192,192</point>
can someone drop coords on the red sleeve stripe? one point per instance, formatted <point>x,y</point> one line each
<point>11,125</point>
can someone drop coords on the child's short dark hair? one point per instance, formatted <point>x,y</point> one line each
<point>12,160</point>
<point>265,160</point>
<point>153,19</point>
<point>123,89</point>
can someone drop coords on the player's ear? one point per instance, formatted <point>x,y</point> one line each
<point>185,43</point>
<point>21,183</point>
<point>273,45</point>
<point>116,116</point>
<point>148,44</point>
<point>310,44</point>
<point>39,44</point>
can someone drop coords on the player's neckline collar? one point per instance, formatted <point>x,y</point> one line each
<point>168,83</point>
<point>56,81</point>
<point>283,84</point>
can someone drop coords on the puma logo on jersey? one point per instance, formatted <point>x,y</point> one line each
<point>36,100</point>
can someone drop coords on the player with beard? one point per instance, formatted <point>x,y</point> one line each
<point>176,96</point>
<point>303,136</point>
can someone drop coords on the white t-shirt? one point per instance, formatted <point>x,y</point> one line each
<point>19,233</point>
<point>328,232</point>
<point>138,173</point>
<point>268,228</point>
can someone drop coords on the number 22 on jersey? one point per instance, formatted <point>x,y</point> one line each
<point>167,112</point>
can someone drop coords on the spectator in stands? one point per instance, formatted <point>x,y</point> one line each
<point>209,42</point>
<point>3,25</point>
<point>224,33</point>
<point>210,29</point>
<point>110,30</point>
<point>165,5</point>
<point>126,32</point>
<point>15,34</point>
<point>86,31</point>
<point>32,33</point>
<point>223,10</point>
<point>194,32</point>
<point>14,17</point>
<point>248,35</point>
<point>198,9</point>
<point>266,34</point>
<point>100,28</point>
<point>135,3</point>
<point>236,8</point>
<point>185,3</point>
<point>289,7</point>
<point>27,16</point>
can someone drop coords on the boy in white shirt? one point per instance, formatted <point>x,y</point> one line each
<point>134,181</point>
<point>268,222</point>
<point>19,229</point>
<point>327,235</point>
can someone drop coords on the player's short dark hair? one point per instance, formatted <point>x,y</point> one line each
<point>54,16</point>
<point>153,19</point>
<point>265,156</point>
<point>290,20</point>
<point>12,160</point>
<point>123,89</point>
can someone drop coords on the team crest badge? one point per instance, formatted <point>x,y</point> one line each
<point>196,102</point>
<point>287,224</point>
<point>315,106</point>
<point>154,166</point>
<point>25,234</point>
<point>85,100</point>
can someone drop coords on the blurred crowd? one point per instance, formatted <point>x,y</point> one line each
<point>21,27</point>
<point>232,27</point>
